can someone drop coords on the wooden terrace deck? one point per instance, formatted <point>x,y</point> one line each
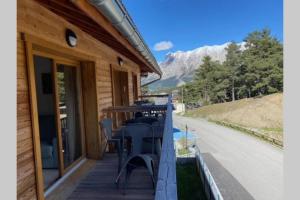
<point>99,183</point>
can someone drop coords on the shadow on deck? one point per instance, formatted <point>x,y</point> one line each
<point>99,183</point>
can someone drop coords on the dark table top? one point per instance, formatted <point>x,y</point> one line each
<point>158,133</point>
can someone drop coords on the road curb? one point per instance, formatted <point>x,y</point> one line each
<point>273,141</point>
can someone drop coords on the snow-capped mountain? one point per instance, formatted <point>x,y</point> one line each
<point>178,67</point>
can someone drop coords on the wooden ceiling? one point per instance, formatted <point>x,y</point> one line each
<point>71,13</point>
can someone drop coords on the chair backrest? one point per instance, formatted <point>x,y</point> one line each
<point>148,120</point>
<point>130,121</point>
<point>138,115</point>
<point>137,132</point>
<point>158,129</point>
<point>106,127</point>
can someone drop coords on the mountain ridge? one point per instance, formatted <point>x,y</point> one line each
<point>178,67</point>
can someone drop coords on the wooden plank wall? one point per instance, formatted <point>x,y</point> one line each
<point>139,85</point>
<point>104,88</point>
<point>90,109</point>
<point>130,86</point>
<point>25,159</point>
<point>34,19</point>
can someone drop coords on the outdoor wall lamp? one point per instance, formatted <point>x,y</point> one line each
<point>71,38</point>
<point>144,74</point>
<point>120,61</point>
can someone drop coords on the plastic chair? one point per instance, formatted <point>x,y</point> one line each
<point>136,158</point>
<point>147,120</point>
<point>106,127</point>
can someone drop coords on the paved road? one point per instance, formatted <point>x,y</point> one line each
<point>243,166</point>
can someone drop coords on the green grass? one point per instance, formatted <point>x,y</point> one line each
<point>275,130</point>
<point>183,151</point>
<point>189,186</point>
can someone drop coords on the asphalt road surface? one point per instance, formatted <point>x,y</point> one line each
<point>243,166</point>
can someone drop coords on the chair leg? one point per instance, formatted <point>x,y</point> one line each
<point>121,171</point>
<point>119,175</point>
<point>120,155</point>
<point>129,169</point>
<point>105,146</point>
<point>153,180</point>
<point>150,168</point>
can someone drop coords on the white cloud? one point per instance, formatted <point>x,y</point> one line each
<point>163,45</point>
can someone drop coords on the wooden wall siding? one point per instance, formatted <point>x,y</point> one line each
<point>104,97</point>
<point>25,160</point>
<point>72,12</point>
<point>34,19</point>
<point>130,87</point>
<point>104,86</point>
<point>90,107</point>
<point>139,85</point>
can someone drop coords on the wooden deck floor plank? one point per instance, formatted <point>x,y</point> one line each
<point>99,183</point>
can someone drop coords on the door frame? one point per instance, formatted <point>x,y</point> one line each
<point>40,47</point>
<point>118,69</point>
<point>116,115</point>
<point>135,86</point>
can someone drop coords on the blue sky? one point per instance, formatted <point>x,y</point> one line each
<point>189,24</point>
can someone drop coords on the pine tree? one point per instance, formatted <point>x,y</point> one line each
<point>203,78</point>
<point>263,59</point>
<point>232,64</point>
<point>210,81</point>
<point>258,70</point>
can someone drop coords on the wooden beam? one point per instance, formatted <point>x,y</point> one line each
<point>35,122</point>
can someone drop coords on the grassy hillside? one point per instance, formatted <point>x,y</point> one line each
<point>263,115</point>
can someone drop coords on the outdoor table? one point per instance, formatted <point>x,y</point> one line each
<point>157,137</point>
<point>118,133</point>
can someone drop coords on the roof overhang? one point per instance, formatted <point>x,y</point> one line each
<point>116,13</point>
<point>88,18</point>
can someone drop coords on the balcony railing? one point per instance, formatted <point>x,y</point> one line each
<point>166,187</point>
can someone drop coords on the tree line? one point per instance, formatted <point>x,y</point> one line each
<point>255,70</point>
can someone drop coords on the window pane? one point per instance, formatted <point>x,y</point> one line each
<point>69,113</point>
<point>47,121</point>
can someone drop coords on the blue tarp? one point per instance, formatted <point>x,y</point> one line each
<point>177,134</point>
<point>176,130</point>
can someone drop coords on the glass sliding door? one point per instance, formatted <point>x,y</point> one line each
<point>69,113</point>
<point>58,92</point>
<point>45,93</point>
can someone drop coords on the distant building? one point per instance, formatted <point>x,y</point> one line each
<point>179,107</point>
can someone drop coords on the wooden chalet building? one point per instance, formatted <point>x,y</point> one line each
<point>74,59</point>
